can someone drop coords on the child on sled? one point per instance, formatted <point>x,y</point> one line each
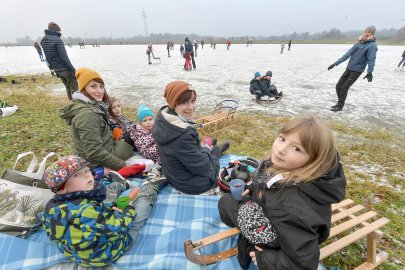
<point>286,213</point>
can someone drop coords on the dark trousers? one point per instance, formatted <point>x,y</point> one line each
<point>342,87</point>
<point>192,60</point>
<point>228,210</point>
<point>69,80</point>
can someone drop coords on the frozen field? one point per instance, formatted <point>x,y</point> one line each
<point>222,74</point>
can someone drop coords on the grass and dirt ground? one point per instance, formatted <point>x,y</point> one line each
<point>373,157</point>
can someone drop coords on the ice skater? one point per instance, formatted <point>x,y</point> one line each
<point>363,53</point>
<point>282,47</point>
<point>402,61</point>
<point>39,50</point>
<point>289,44</point>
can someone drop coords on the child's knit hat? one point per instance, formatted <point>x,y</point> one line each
<point>269,73</point>
<point>143,111</point>
<point>257,74</point>
<point>60,171</point>
<point>370,29</point>
<point>85,75</point>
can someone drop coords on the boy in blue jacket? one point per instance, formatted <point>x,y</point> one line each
<point>363,53</point>
<point>89,231</point>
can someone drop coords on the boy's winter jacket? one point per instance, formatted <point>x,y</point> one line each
<point>87,230</point>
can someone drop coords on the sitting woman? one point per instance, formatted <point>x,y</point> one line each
<point>87,117</point>
<point>189,167</point>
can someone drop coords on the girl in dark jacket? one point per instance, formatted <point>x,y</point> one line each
<point>189,167</point>
<point>286,213</point>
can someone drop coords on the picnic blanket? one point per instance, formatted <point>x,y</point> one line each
<point>175,218</point>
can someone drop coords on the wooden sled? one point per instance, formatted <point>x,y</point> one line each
<point>223,113</point>
<point>345,219</point>
<point>267,100</point>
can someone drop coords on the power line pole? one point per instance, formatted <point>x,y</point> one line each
<point>143,14</point>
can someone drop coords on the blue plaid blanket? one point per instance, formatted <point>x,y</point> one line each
<point>175,218</point>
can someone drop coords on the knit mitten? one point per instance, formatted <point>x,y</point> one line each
<point>131,170</point>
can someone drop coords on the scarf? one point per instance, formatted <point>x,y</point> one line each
<point>363,40</point>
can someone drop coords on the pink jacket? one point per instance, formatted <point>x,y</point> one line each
<point>145,143</point>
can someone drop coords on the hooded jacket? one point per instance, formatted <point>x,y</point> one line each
<point>85,229</point>
<point>301,215</point>
<point>55,51</point>
<point>255,86</point>
<point>187,166</point>
<point>361,54</point>
<point>91,134</point>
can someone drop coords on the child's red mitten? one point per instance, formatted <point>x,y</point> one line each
<point>131,170</point>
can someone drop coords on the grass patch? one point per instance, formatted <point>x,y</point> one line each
<point>373,158</point>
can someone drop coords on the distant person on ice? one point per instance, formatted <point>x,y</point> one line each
<point>402,61</point>
<point>282,47</point>
<point>181,49</point>
<point>363,53</point>
<point>149,51</point>
<point>57,58</point>
<point>39,51</point>
<point>189,48</point>
<point>168,48</point>
<point>289,44</point>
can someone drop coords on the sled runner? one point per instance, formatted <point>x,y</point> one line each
<point>345,219</point>
<point>267,100</point>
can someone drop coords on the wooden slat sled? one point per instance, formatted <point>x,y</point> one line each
<point>223,114</point>
<point>348,226</point>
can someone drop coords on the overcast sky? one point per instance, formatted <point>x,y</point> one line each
<point>122,18</point>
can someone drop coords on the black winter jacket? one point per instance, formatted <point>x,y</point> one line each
<point>254,86</point>
<point>55,52</point>
<point>301,216</point>
<point>403,54</point>
<point>187,166</point>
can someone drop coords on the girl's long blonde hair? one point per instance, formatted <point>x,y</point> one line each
<point>318,140</point>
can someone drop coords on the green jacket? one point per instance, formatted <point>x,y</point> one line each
<point>91,135</point>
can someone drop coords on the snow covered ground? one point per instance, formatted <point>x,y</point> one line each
<point>222,74</point>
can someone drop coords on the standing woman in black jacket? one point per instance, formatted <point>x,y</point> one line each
<point>286,213</point>
<point>189,167</point>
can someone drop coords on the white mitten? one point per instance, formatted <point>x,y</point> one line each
<point>148,165</point>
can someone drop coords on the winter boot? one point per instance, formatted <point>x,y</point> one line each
<point>224,146</point>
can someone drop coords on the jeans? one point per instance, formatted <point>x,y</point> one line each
<point>143,207</point>
<point>342,87</point>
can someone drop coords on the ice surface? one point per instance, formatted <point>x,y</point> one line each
<point>222,74</point>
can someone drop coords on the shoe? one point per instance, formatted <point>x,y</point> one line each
<point>116,177</point>
<point>336,109</point>
<point>8,111</point>
<point>280,94</point>
<point>224,146</point>
<point>157,182</point>
<point>335,106</point>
